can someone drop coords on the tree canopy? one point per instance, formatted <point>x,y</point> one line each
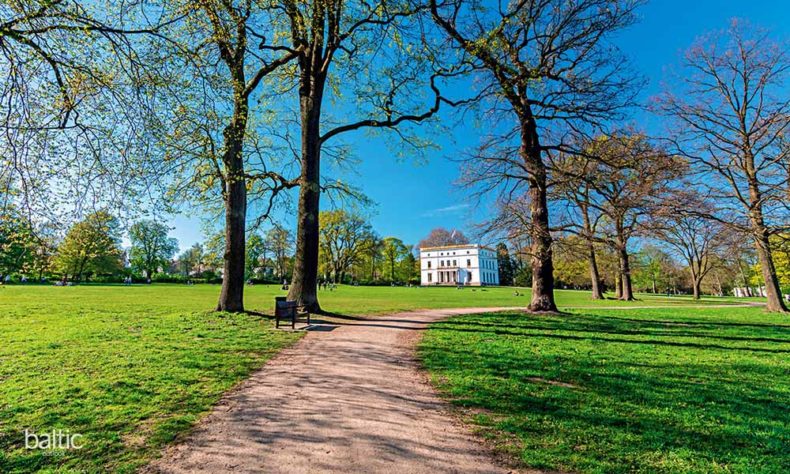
<point>151,246</point>
<point>91,246</point>
<point>440,236</point>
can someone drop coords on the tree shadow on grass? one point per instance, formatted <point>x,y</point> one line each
<point>371,321</point>
<point>539,331</point>
<point>712,324</point>
<point>593,327</point>
<point>615,405</point>
<point>259,314</point>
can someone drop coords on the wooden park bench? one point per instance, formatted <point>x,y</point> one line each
<point>286,310</point>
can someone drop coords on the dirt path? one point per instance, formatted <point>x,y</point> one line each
<point>346,398</point>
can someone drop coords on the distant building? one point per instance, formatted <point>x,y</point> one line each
<point>451,265</point>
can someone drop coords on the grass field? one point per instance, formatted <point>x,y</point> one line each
<point>658,390</point>
<point>130,367</point>
<point>260,298</point>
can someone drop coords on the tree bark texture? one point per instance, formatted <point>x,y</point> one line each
<point>542,263</point>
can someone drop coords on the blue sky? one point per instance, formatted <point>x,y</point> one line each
<point>414,196</point>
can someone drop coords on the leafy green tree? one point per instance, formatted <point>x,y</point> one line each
<point>653,267</point>
<point>523,276</point>
<point>18,244</point>
<point>75,90</point>
<point>782,262</point>
<point>505,263</point>
<point>91,246</point>
<point>217,57</point>
<point>256,251</point>
<point>411,267</point>
<point>46,247</point>
<point>342,239</point>
<point>394,250</point>
<point>279,241</point>
<point>570,266</point>
<point>780,247</point>
<point>214,255</point>
<point>151,247</point>
<point>370,262</point>
<point>191,259</point>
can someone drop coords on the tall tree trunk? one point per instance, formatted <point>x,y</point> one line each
<point>695,267</point>
<point>305,275</point>
<point>81,270</point>
<point>618,283</point>
<point>231,297</point>
<point>625,275</point>
<point>311,92</point>
<point>595,277</point>
<point>773,292</point>
<point>542,263</point>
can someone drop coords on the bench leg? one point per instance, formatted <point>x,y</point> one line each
<point>293,319</point>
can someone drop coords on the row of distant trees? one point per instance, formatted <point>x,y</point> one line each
<point>350,251</point>
<point>91,248</point>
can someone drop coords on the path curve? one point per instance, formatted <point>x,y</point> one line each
<point>345,398</point>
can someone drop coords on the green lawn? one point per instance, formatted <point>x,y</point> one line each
<point>660,390</point>
<point>130,367</point>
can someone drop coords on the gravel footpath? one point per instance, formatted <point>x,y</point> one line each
<point>348,397</point>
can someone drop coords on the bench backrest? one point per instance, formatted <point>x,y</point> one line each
<point>286,304</point>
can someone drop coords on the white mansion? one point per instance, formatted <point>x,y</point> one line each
<point>470,264</point>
